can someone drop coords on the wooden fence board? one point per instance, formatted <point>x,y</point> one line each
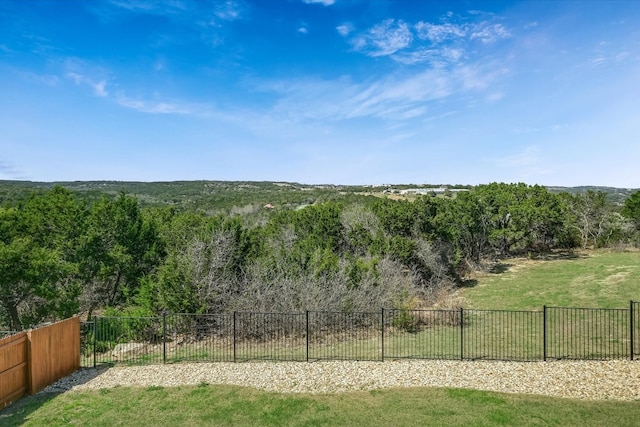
<point>14,368</point>
<point>55,353</point>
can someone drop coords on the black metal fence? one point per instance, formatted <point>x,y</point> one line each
<point>464,334</point>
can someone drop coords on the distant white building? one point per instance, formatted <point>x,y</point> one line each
<point>439,190</point>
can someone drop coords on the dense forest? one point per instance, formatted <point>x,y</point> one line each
<point>205,247</point>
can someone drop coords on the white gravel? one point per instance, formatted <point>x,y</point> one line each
<point>593,380</point>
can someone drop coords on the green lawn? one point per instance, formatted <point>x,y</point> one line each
<point>598,279</point>
<point>235,406</point>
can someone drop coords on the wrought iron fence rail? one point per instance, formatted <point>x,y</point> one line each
<point>461,334</point>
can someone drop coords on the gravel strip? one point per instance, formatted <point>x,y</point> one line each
<point>591,380</point>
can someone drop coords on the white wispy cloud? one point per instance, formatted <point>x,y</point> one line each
<point>489,33</point>
<point>396,97</point>
<point>605,57</point>
<point>45,79</point>
<point>322,2</point>
<point>152,106</point>
<point>440,44</point>
<point>436,57</point>
<point>207,20</point>
<point>383,39</point>
<point>420,55</point>
<point>452,53</point>
<point>229,10</point>
<point>87,75</point>
<point>622,56</point>
<point>474,77</point>
<point>437,33</point>
<point>98,86</point>
<point>167,7</point>
<point>345,29</point>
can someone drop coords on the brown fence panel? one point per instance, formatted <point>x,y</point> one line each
<point>14,368</point>
<point>55,352</point>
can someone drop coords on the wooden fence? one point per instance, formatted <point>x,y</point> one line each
<point>31,360</point>
<point>14,368</point>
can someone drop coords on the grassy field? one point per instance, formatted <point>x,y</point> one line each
<point>206,405</point>
<point>598,279</point>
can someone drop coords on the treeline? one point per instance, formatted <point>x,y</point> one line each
<point>213,197</point>
<point>61,255</point>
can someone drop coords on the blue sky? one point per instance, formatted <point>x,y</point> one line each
<point>321,91</point>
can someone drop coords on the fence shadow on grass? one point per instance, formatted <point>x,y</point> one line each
<point>19,412</point>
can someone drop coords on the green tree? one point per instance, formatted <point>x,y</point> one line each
<point>463,222</point>
<point>307,234</point>
<point>520,217</point>
<point>38,257</point>
<point>631,209</point>
<point>396,217</point>
<point>121,246</point>
<point>28,273</point>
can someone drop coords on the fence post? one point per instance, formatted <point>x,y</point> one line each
<point>461,333</point>
<point>234,336</point>
<point>631,328</point>
<point>544,333</point>
<point>95,339</point>
<point>164,337</point>
<point>307,333</point>
<point>382,334</point>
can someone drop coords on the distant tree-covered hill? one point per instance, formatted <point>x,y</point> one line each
<point>223,196</point>
<point>209,196</point>
<point>615,195</point>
